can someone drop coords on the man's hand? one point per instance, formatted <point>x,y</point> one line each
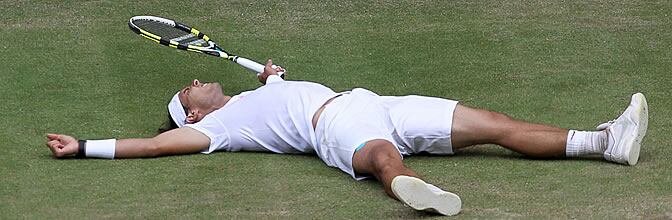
<point>269,70</point>
<point>62,145</point>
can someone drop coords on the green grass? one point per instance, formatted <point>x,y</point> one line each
<point>74,67</point>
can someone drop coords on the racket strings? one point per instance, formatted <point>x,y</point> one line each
<point>170,33</point>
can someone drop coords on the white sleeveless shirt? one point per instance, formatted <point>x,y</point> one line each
<point>276,117</point>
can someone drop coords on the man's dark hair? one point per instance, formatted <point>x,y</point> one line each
<point>167,125</point>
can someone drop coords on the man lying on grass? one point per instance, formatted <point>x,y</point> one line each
<point>358,131</point>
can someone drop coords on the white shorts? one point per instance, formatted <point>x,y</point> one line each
<point>422,124</point>
<point>347,122</point>
<point>414,124</point>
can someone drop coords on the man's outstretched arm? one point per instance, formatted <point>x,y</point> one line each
<point>177,141</point>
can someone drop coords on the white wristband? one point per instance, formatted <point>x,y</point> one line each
<point>101,148</point>
<point>273,78</point>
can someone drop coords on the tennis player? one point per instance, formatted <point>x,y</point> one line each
<point>358,131</point>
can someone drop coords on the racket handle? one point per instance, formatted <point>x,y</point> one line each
<point>254,66</point>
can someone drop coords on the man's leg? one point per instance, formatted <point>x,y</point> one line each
<point>618,140</point>
<point>381,159</point>
<point>476,126</point>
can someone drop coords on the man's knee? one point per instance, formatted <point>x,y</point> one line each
<point>385,157</point>
<point>477,126</point>
<point>377,156</point>
<point>498,121</point>
<point>482,116</point>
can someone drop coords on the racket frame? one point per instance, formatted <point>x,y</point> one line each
<point>212,49</point>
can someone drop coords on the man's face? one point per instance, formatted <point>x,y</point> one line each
<point>201,97</point>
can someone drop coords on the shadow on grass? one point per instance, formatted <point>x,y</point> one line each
<point>486,151</point>
<point>478,152</point>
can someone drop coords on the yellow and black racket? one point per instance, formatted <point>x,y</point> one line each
<point>180,36</point>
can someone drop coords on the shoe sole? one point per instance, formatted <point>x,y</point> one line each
<point>643,122</point>
<point>415,193</point>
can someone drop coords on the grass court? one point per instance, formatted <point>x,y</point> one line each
<point>73,67</point>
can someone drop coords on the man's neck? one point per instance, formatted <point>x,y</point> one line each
<point>224,100</point>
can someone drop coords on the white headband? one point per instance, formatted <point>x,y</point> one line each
<point>176,111</point>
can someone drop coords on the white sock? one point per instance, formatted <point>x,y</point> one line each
<point>581,143</point>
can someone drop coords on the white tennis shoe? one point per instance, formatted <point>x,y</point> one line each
<point>625,134</point>
<point>425,197</point>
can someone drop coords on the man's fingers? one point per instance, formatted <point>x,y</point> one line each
<point>269,62</point>
<point>56,149</point>
<point>55,144</point>
<point>53,136</point>
<point>53,150</point>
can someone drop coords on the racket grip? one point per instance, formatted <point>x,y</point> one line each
<point>254,66</point>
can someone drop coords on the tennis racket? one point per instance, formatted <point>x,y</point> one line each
<point>180,36</point>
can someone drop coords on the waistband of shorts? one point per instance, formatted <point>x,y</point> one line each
<point>332,106</point>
